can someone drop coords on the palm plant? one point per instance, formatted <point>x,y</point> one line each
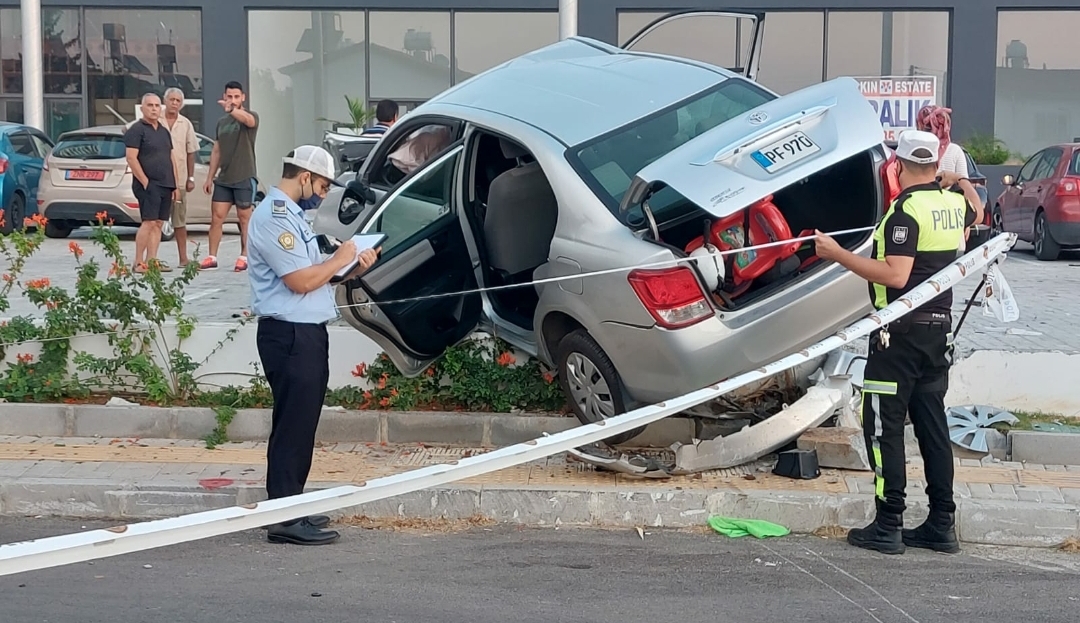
<point>360,115</point>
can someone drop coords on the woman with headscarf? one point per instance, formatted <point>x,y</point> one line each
<point>952,162</point>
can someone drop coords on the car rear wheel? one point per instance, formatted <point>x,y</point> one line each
<point>1045,247</point>
<point>14,215</point>
<point>591,383</point>
<point>997,224</point>
<point>58,229</point>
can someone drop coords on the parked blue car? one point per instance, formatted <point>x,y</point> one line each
<point>22,156</point>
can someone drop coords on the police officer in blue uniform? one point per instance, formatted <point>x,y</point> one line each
<point>293,300</point>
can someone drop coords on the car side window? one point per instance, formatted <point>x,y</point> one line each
<point>22,144</point>
<point>418,203</point>
<point>1048,164</point>
<point>1074,168</point>
<point>1027,172</point>
<point>43,145</point>
<point>403,151</point>
<point>206,147</point>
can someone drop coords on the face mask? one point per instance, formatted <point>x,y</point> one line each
<point>310,203</point>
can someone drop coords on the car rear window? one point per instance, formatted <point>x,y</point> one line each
<point>609,162</point>
<point>90,147</point>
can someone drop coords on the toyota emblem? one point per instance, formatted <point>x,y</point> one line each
<point>758,118</point>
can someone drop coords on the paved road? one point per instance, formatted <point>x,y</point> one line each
<point>1048,293</point>
<point>500,575</point>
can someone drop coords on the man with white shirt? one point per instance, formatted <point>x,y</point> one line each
<point>185,144</point>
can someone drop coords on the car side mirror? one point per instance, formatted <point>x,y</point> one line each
<point>1008,180</point>
<point>359,192</point>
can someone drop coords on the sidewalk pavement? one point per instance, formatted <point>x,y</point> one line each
<point>135,479</point>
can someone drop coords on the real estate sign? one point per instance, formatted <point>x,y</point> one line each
<point>898,99</point>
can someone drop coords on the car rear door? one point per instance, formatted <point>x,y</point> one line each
<point>408,302</point>
<point>728,39</point>
<point>765,149</point>
<point>25,164</point>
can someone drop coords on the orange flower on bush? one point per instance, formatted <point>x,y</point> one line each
<point>50,305</point>
<point>385,402</point>
<point>505,359</point>
<point>101,216</point>
<point>361,368</point>
<point>39,220</point>
<point>367,395</point>
<point>75,249</point>
<point>430,372</point>
<point>549,377</point>
<point>394,393</point>
<point>382,381</point>
<point>24,358</point>
<point>9,277</point>
<point>37,284</point>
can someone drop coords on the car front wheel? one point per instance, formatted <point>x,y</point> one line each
<point>1045,247</point>
<point>12,218</point>
<point>997,224</point>
<point>591,383</point>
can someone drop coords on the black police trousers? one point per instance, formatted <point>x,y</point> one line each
<point>296,359</point>
<point>909,377</point>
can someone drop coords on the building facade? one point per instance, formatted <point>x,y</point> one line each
<point>1008,69</point>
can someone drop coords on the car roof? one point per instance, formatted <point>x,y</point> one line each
<point>580,88</point>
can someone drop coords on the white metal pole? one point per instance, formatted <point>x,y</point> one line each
<point>568,17</point>
<point>33,79</point>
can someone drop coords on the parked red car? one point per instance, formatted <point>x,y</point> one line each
<point>1042,204</point>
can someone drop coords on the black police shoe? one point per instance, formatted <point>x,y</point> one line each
<point>882,535</point>
<point>319,521</point>
<point>937,533</point>
<point>301,533</point>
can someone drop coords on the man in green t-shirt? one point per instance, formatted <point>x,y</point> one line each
<point>233,165</point>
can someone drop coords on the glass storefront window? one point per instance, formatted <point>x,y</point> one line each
<point>859,45</point>
<point>300,77</point>
<point>483,40</point>
<point>793,54</point>
<point>410,54</point>
<point>61,48</point>
<point>1038,80</point>
<point>62,116</point>
<point>130,52</point>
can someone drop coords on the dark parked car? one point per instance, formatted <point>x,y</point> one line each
<point>1041,205</point>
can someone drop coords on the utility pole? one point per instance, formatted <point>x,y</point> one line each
<point>568,14</point>
<point>33,78</point>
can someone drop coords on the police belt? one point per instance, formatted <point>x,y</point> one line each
<point>932,319</point>
<point>275,319</point>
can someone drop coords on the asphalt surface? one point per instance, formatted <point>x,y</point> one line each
<point>503,574</point>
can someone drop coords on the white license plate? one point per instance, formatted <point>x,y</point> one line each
<point>785,152</point>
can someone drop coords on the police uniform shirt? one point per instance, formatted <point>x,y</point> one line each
<point>281,242</point>
<point>927,223</point>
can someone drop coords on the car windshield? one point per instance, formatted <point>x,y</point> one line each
<point>608,163</point>
<point>90,147</point>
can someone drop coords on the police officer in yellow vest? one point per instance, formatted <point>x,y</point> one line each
<point>907,370</point>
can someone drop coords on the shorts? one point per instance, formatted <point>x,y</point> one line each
<point>240,194</point>
<point>179,211</point>
<point>155,202</point>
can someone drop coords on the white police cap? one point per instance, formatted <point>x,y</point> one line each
<point>314,159</point>
<point>912,142</point>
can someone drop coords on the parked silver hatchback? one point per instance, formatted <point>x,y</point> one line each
<point>583,157</point>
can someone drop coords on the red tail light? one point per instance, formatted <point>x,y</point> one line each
<point>1069,187</point>
<point>3,165</point>
<point>890,181</point>
<point>672,295</point>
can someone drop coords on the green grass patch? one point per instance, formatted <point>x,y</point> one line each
<point>1038,420</point>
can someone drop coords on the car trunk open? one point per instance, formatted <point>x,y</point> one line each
<point>812,160</point>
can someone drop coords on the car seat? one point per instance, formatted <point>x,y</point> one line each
<point>759,224</point>
<point>521,216</point>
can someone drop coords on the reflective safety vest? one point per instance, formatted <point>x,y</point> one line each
<point>927,222</point>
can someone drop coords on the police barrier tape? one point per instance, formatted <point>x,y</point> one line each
<point>124,539</point>
<point>511,286</point>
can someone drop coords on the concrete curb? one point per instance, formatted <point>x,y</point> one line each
<point>978,521</point>
<point>335,426</point>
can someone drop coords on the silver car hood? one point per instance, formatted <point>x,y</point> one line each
<point>720,170</point>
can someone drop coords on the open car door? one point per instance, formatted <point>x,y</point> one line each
<point>731,40</point>
<point>401,302</point>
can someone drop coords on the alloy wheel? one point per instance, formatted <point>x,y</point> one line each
<point>588,389</point>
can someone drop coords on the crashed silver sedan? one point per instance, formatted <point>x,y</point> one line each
<point>583,157</point>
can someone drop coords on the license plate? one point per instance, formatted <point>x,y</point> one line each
<point>84,175</point>
<point>785,152</point>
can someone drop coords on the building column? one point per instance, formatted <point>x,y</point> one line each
<point>973,68</point>
<point>32,70</point>
<point>224,54</point>
<point>597,19</point>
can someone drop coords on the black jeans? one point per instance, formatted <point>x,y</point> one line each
<point>910,377</point>
<point>296,358</point>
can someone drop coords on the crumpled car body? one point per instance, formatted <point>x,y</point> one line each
<point>583,157</point>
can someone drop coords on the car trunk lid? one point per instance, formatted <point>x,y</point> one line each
<point>88,161</point>
<point>764,150</point>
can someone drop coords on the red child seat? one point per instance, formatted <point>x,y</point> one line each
<point>766,224</point>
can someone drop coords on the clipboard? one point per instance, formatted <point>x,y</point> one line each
<point>362,242</point>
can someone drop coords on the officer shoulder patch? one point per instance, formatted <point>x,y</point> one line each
<point>287,240</point>
<point>899,234</point>
<point>279,208</point>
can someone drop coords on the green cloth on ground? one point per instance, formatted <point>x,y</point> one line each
<point>735,528</point>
